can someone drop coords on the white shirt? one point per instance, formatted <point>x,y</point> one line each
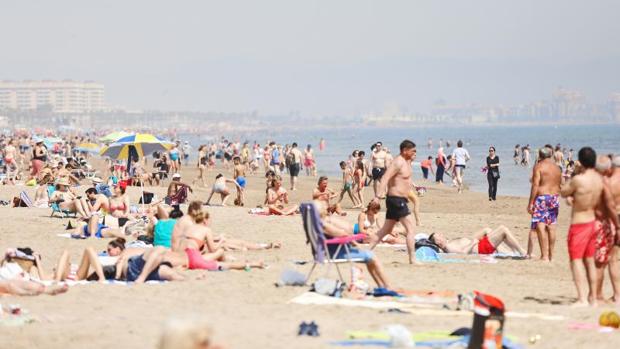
<point>460,156</point>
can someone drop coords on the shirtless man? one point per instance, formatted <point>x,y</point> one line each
<point>379,164</point>
<point>607,229</point>
<point>558,156</point>
<point>239,176</point>
<point>397,183</point>
<point>323,193</point>
<point>614,267</point>
<point>544,203</point>
<point>585,190</point>
<point>486,241</point>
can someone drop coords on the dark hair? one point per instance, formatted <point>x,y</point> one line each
<point>269,173</point>
<point>587,157</point>
<point>406,144</point>
<point>294,145</point>
<point>342,163</point>
<point>91,191</point>
<point>459,143</point>
<point>431,238</point>
<point>361,153</point>
<point>219,175</point>
<point>236,158</point>
<point>430,158</point>
<point>118,243</point>
<point>176,213</point>
<point>321,179</point>
<point>492,147</point>
<point>355,152</point>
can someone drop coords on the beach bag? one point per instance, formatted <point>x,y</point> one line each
<point>148,198</point>
<point>328,287</point>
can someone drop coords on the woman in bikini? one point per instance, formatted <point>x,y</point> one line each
<point>193,245</point>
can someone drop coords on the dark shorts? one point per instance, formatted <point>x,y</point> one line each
<point>135,265</point>
<point>396,207</point>
<point>293,169</point>
<point>377,173</point>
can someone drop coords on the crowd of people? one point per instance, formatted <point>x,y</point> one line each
<point>165,240</point>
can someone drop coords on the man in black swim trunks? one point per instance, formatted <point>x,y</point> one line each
<point>148,266</point>
<point>397,183</point>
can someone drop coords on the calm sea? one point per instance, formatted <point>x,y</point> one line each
<point>514,179</point>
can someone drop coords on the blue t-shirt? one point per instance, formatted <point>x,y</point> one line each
<point>163,232</point>
<point>275,157</point>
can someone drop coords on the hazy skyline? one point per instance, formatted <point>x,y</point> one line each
<point>316,57</point>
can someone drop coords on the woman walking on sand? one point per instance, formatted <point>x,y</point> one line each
<point>492,173</point>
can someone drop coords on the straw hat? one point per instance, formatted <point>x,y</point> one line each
<point>63,181</point>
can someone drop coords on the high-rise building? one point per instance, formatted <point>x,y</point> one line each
<point>66,96</point>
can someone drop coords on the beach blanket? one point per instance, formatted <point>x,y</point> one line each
<point>312,298</point>
<point>460,342</point>
<point>107,282</point>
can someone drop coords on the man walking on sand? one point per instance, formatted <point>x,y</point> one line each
<point>544,203</point>
<point>585,190</point>
<point>396,182</point>
<point>610,169</point>
<point>460,156</point>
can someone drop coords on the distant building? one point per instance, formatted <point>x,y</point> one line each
<point>65,96</point>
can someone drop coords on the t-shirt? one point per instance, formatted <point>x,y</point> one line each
<point>163,232</point>
<point>275,157</point>
<point>460,156</point>
<point>493,162</point>
<point>426,163</point>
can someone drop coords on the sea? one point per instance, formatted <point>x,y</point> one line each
<point>514,179</point>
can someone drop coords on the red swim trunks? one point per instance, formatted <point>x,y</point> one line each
<point>485,246</point>
<point>196,261</point>
<point>604,241</point>
<point>582,240</point>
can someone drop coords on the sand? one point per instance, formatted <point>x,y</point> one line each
<point>246,310</point>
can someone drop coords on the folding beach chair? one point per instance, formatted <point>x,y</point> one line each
<point>55,207</point>
<point>319,243</point>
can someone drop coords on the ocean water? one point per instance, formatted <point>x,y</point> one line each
<point>514,179</point>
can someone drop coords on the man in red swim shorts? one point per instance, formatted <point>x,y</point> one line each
<point>486,241</point>
<point>586,191</point>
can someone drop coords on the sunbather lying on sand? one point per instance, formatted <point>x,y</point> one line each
<point>17,287</point>
<point>486,241</point>
<point>333,228</point>
<point>15,277</point>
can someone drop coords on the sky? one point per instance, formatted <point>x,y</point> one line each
<point>332,57</point>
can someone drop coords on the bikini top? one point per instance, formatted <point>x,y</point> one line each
<point>119,207</point>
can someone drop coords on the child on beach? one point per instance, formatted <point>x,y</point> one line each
<point>347,183</point>
<point>239,175</point>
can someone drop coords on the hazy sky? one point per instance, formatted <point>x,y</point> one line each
<point>316,57</point>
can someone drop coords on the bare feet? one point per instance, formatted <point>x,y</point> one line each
<point>579,304</point>
<point>55,289</point>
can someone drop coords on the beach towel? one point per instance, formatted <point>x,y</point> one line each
<point>311,298</point>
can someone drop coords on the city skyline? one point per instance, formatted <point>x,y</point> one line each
<point>317,57</point>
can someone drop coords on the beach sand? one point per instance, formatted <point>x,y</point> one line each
<point>246,310</point>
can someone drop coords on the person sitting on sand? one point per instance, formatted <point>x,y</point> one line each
<point>91,260</point>
<point>277,197</point>
<point>66,199</point>
<point>368,222</point>
<point>219,187</point>
<point>177,191</point>
<point>334,230</point>
<point>323,193</point>
<point>486,241</point>
<point>16,279</point>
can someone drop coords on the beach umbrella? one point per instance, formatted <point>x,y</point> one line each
<point>142,143</point>
<point>50,141</point>
<point>88,148</point>
<point>135,146</point>
<point>112,137</point>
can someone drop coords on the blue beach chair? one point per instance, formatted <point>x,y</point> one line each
<point>319,243</point>
<point>55,207</point>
